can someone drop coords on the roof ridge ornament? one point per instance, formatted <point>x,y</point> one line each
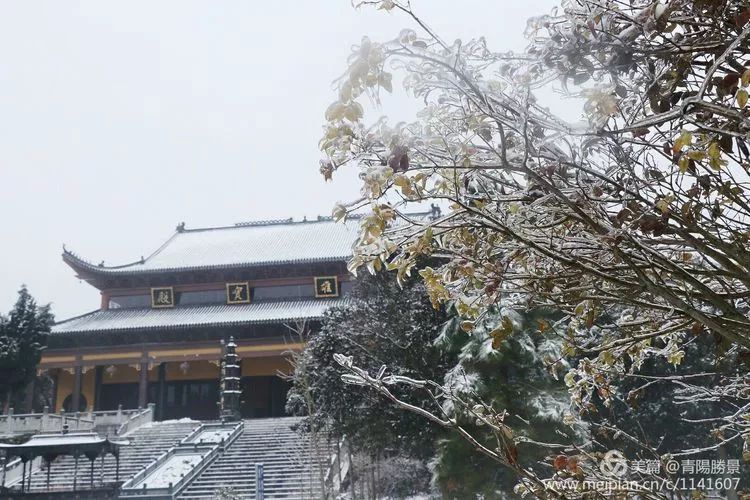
<point>180,227</point>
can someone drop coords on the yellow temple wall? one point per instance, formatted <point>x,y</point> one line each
<point>65,383</point>
<point>64,387</point>
<point>272,365</point>
<point>125,374</point>
<point>200,370</point>
<point>197,370</point>
<point>87,388</point>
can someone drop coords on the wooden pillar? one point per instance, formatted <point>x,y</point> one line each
<point>75,404</point>
<point>143,385</point>
<point>273,402</point>
<point>98,377</point>
<point>161,392</point>
<point>55,379</point>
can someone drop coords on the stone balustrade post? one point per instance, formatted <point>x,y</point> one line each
<point>10,421</point>
<point>45,418</point>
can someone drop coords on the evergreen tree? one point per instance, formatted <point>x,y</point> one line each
<point>382,324</point>
<point>512,369</point>
<point>23,336</point>
<point>385,324</point>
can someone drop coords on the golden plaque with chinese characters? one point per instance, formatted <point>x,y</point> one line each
<point>238,293</point>
<point>162,296</point>
<point>326,286</point>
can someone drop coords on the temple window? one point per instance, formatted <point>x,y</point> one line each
<point>201,297</point>
<point>283,292</point>
<point>129,301</point>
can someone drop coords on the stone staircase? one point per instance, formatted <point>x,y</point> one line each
<point>146,444</point>
<point>292,465</point>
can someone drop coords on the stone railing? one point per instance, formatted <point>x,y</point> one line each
<point>105,422</point>
<point>12,472</point>
<point>113,417</point>
<point>161,479</point>
<point>13,424</point>
<point>135,419</point>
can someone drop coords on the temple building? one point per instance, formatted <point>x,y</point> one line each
<point>157,335</point>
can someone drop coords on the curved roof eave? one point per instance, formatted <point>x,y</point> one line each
<point>194,317</point>
<point>185,327</point>
<point>321,241</point>
<point>79,264</point>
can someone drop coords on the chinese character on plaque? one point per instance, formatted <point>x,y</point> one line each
<point>238,293</point>
<point>327,286</point>
<point>162,296</point>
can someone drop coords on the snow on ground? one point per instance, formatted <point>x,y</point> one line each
<point>177,421</point>
<point>170,471</point>
<point>212,436</point>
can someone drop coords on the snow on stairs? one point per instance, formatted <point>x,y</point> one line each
<point>146,444</point>
<point>292,465</point>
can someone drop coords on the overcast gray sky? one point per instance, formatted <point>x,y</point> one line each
<point>119,120</point>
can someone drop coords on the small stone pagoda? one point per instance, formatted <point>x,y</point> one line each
<point>230,384</point>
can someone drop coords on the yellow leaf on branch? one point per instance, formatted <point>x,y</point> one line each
<point>502,332</point>
<point>742,98</point>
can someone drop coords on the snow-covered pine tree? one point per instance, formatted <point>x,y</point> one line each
<point>513,368</point>
<point>23,334</point>
<point>382,324</point>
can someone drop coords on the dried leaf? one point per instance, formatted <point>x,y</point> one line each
<point>683,163</point>
<point>467,326</point>
<point>502,332</point>
<point>730,81</point>
<point>741,98</point>
<point>742,18</point>
<point>560,462</point>
<point>685,139</point>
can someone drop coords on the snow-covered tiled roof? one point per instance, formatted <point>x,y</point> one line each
<point>250,244</point>
<point>74,438</point>
<point>196,316</point>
